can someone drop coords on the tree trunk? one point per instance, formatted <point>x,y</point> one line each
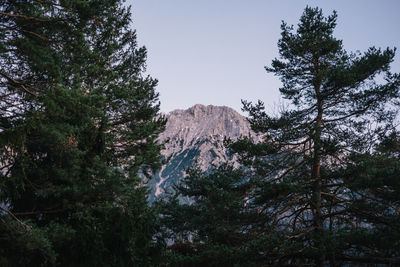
<point>317,184</point>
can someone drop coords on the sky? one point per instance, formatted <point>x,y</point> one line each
<point>213,52</point>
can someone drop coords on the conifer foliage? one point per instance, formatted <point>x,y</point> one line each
<point>340,105</point>
<point>78,130</point>
<point>219,226</point>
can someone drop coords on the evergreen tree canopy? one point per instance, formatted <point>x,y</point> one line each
<point>220,226</point>
<point>340,104</point>
<point>78,129</point>
<point>374,180</point>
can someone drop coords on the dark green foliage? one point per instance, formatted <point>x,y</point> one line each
<point>309,164</point>
<point>220,226</point>
<point>23,245</point>
<point>78,125</point>
<point>374,179</point>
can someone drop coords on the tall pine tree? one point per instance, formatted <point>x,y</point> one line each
<point>339,104</point>
<point>78,130</point>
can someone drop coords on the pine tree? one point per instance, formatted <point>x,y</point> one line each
<point>220,226</point>
<point>338,107</point>
<point>78,130</point>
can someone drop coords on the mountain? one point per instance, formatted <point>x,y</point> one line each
<point>196,135</point>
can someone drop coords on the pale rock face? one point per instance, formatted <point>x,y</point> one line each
<point>196,135</point>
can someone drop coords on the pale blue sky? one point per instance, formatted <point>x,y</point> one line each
<point>214,51</point>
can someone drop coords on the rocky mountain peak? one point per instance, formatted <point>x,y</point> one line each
<point>201,121</point>
<point>196,135</point>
